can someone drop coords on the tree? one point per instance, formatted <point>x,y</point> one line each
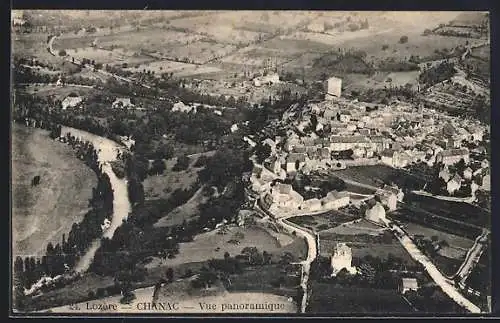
<point>460,167</point>
<point>403,39</point>
<point>267,257</point>
<point>182,163</point>
<point>427,32</point>
<point>262,151</point>
<point>169,274</point>
<point>158,167</point>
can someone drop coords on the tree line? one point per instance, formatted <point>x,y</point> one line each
<point>59,259</point>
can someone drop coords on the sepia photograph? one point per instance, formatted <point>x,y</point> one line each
<point>173,162</point>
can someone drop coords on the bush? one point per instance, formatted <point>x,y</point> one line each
<point>403,39</point>
<point>62,52</point>
<point>384,47</point>
<point>182,163</point>
<point>201,161</point>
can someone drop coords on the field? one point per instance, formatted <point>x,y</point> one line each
<point>107,56</point>
<point>186,212</point>
<point>449,258</point>
<point>162,186</point>
<point>328,298</point>
<point>213,245</point>
<point>323,221</point>
<point>454,210</point>
<point>364,238</point>
<point>59,93</point>
<point>162,66</point>
<point>381,80</point>
<point>454,241</point>
<point>482,52</point>
<point>35,45</point>
<point>42,214</point>
<point>377,175</point>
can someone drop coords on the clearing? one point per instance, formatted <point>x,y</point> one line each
<point>211,244</point>
<point>163,185</point>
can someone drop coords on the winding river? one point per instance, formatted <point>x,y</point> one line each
<point>106,151</point>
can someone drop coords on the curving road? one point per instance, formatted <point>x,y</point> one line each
<point>443,282</point>
<point>107,151</point>
<point>312,251</point>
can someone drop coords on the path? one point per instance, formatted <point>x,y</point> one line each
<point>312,248</point>
<point>445,284</point>
<point>107,150</point>
<point>468,199</point>
<point>473,256</point>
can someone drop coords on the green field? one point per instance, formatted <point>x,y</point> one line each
<point>378,174</point>
<point>43,213</point>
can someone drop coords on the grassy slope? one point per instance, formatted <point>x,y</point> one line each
<point>42,214</point>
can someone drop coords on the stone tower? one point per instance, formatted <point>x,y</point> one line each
<point>342,258</point>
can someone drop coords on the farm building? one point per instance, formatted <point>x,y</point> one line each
<point>181,107</point>
<point>122,103</point>
<point>282,196</point>
<point>342,259</point>
<point>266,79</point>
<point>486,185</point>
<point>71,102</point>
<point>376,213</point>
<point>388,199</point>
<point>454,184</point>
<point>333,88</point>
<point>335,200</point>
<point>295,161</point>
<point>313,204</point>
<point>408,284</point>
<point>452,156</point>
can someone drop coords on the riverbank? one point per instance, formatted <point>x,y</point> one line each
<point>43,213</point>
<point>106,151</point>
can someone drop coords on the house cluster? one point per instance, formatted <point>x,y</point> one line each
<point>72,102</point>
<point>281,200</point>
<point>338,132</point>
<point>269,79</point>
<point>476,176</point>
<point>181,107</point>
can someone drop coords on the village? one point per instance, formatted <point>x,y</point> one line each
<point>338,133</point>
